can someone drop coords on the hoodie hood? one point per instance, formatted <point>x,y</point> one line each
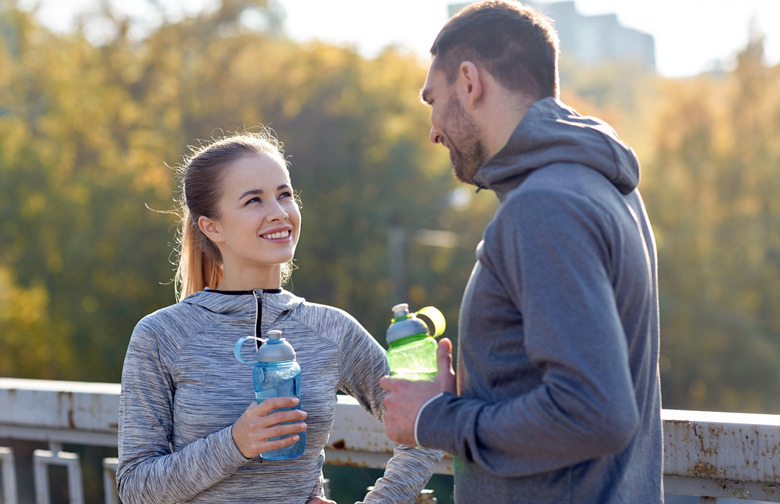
<point>551,132</point>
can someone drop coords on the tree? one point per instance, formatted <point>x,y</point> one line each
<point>713,194</point>
<point>90,148</point>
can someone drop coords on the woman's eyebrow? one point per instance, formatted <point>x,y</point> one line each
<point>250,192</point>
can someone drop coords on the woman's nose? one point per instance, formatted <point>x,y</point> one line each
<point>278,213</point>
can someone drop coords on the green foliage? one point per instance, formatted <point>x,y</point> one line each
<point>29,331</point>
<point>713,191</point>
<point>86,150</point>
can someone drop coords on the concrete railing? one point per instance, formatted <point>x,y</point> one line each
<point>707,454</point>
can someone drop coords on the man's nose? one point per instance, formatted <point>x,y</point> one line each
<point>435,136</point>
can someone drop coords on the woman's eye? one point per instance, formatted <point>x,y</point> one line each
<point>285,194</point>
<point>253,200</point>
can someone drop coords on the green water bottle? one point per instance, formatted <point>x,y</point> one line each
<point>412,348</point>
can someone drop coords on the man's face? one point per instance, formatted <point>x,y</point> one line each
<point>452,126</point>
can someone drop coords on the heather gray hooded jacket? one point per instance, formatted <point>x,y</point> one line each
<point>182,390</point>
<point>559,398</point>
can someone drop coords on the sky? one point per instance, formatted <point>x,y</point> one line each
<point>691,36</point>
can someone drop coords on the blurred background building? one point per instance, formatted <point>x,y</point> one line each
<point>593,39</point>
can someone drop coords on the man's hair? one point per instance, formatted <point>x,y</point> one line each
<point>515,44</point>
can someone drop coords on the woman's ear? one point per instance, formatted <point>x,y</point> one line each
<point>210,228</point>
<point>469,84</point>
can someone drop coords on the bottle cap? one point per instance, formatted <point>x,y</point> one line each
<point>275,349</point>
<point>407,324</point>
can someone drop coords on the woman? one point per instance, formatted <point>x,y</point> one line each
<point>185,431</point>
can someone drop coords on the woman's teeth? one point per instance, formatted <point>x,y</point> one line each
<point>277,236</point>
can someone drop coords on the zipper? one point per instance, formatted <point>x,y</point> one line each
<point>258,319</point>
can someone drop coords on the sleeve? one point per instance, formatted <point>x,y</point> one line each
<point>551,253</point>
<point>148,472</point>
<point>363,363</point>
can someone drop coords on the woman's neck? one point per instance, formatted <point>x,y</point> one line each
<point>245,281</point>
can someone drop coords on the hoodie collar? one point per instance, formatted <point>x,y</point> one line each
<point>551,132</point>
<point>244,303</point>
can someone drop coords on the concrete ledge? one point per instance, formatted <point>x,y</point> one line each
<point>705,453</point>
<point>713,445</point>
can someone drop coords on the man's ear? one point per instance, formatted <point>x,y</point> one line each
<point>470,84</point>
<point>210,228</point>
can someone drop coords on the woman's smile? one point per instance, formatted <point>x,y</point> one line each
<point>276,235</point>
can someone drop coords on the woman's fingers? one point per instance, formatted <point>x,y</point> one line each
<point>275,444</point>
<point>283,429</point>
<point>254,431</point>
<point>268,405</point>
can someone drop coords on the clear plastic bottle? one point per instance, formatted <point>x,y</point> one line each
<point>276,374</point>
<point>412,349</point>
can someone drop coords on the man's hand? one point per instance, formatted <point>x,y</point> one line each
<point>405,398</point>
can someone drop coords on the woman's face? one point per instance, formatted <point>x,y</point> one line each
<point>259,223</point>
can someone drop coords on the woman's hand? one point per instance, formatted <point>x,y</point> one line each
<point>257,424</point>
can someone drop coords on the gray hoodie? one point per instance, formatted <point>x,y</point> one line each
<point>182,390</point>
<point>558,386</point>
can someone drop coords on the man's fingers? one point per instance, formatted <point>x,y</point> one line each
<point>444,355</point>
<point>445,376</point>
<point>386,383</point>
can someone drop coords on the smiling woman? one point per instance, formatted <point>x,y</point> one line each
<point>185,431</point>
<point>253,180</point>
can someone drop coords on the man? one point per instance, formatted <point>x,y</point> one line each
<point>558,393</point>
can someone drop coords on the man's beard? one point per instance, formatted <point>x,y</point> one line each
<point>467,153</point>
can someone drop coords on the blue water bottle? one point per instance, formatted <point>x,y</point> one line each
<point>276,374</point>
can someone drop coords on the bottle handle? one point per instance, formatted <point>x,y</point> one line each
<point>436,318</point>
<point>237,348</point>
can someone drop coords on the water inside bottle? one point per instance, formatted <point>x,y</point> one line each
<point>281,383</point>
<point>409,363</point>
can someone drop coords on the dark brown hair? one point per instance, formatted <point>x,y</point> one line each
<point>515,44</point>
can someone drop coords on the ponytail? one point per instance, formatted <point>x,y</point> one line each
<point>200,263</point>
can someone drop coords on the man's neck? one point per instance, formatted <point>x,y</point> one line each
<point>504,112</point>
